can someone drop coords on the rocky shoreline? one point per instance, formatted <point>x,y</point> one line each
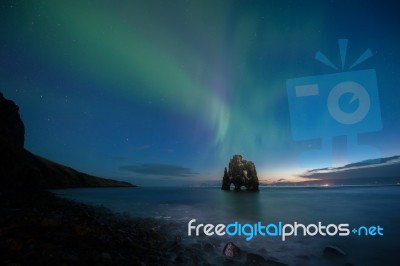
<point>39,228</point>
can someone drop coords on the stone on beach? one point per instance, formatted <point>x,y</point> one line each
<point>231,250</point>
<point>333,252</point>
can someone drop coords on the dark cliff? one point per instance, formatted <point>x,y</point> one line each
<point>20,168</point>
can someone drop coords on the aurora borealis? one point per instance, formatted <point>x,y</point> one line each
<point>168,91</point>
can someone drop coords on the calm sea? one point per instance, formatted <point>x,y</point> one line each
<point>356,206</point>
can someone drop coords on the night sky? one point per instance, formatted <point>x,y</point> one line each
<point>165,92</point>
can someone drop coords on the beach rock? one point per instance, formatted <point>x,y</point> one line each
<point>231,250</point>
<point>263,250</point>
<point>303,257</point>
<point>106,258</point>
<point>240,173</point>
<point>256,259</point>
<point>333,252</point>
<point>49,222</point>
<point>72,258</point>
<point>208,248</point>
<point>39,228</point>
<point>178,238</point>
<point>180,259</point>
<point>271,262</point>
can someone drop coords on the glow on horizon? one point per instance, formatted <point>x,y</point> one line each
<point>283,175</point>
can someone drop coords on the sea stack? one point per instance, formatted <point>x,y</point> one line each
<point>240,173</point>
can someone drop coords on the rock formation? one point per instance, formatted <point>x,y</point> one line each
<point>20,168</point>
<point>240,173</point>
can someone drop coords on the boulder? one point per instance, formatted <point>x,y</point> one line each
<point>256,259</point>
<point>333,252</point>
<point>231,250</point>
<point>271,262</point>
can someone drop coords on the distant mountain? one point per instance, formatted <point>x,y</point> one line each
<point>20,168</point>
<point>369,172</point>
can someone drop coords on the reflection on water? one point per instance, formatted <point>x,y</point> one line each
<point>242,206</point>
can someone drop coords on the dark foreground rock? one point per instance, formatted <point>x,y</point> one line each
<point>256,259</point>
<point>231,250</point>
<point>240,173</point>
<point>37,228</point>
<point>20,168</point>
<point>333,252</point>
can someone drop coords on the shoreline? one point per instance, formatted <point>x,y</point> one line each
<point>39,227</point>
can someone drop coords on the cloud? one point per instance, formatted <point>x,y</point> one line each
<point>159,169</point>
<point>119,158</point>
<point>381,169</point>
<point>364,168</point>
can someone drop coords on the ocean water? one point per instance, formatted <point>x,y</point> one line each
<point>356,206</point>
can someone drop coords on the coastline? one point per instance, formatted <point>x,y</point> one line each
<point>38,227</point>
<point>42,228</point>
<point>308,205</point>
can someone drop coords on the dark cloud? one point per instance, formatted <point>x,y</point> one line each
<point>362,164</point>
<point>119,158</point>
<point>379,169</point>
<point>159,169</point>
